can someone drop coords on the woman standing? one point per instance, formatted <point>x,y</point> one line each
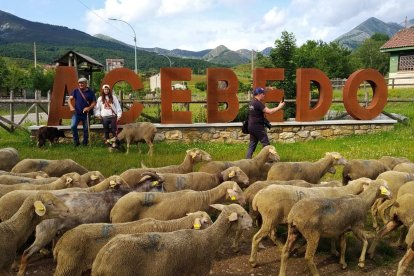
<point>257,110</point>
<point>108,110</point>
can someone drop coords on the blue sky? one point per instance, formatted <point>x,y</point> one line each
<point>204,24</point>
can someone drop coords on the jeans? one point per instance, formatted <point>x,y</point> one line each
<point>257,133</point>
<point>109,121</point>
<point>76,118</point>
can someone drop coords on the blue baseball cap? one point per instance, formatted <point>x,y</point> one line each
<point>258,91</point>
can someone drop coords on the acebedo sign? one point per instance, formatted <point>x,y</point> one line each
<point>66,78</point>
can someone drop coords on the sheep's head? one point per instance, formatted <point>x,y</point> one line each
<point>198,155</point>
<point>41,175</point>
<point>361,183</point>
<point>235,193</point>
<point>382,188</point>
<point>115,182</point>
<point>150,181</point>
<point>235,174</point>
<point>47,205</point>
<point>337,158</point>
<point>94,177</point>
<point>201,220</point>
<point>72,180</point>
<point>235,213</point>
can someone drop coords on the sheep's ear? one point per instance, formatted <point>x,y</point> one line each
<point>194,154</point>
<point>232,174</point>
<point>384,190</point>
<point>40,208</point>
<point>233,217</point>
<point>236,187</point>
<point>197,224</point>
<point>112,184</point>
<point>188,214</point>
<point>94,177</point>
<point>272,150</point>
<point>217,206</point>
<point>69,180</point>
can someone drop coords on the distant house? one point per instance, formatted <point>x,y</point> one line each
<point>401,50</point>
<point>155,83</point>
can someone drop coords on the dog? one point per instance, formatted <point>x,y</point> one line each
<point>49,133</point>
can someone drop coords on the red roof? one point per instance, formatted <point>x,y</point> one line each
<point>404,38</point>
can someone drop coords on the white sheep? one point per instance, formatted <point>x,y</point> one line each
<point>201,181</point>
<point>15,231</point>
<point>192,157</point>
<point>404,167</point>
<point>255,168</point>
<point>51,167</point>
<point>138,132</point>
<point>76,249</point>
<point>183,252</point>
<point>164,206</point>
<point>311,172</point>
<point>316,218</point>
<point>275,202</point>
<point>9,157</point>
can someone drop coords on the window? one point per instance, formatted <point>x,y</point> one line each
<point>406,63</point>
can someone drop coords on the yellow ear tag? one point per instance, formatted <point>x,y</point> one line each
<point>197,226</point>
<point>384,190</point>
<point>154,183</point>
<point>233,198</point>
<point>40,209</point>
<point>112,183</point>
<point>232,174</point>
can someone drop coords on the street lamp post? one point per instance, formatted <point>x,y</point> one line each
<point>135,40</point>
<point>166,57</point>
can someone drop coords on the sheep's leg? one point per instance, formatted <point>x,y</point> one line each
<point>342,241</point>
<point>150,145</point>
<point>401,238</point>
<point>263,232</point>
<point>236,240</point>
<point>360,234</point>
<point>405,261</point>
<point>287,248</point>
<point>333,248</point>
<point>128,146</point>
<point>385,230</point>
<point>312,244</point>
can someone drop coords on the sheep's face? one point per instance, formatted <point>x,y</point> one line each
<point>201,220</point>
<point>94,178</point>
<point>237,175</point>
<point>49,206</point>
<point>198,155</point>
<point>244,221</point>
<point>72,180</point>
<point>236,194</point>
<point>272,155</point>
<point>337,158</point>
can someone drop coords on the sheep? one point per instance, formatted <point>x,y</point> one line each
<point>164,206</point>
<point>76,249</point>
<point>35,175</point>
<point>15,231</point>
<point>253,168</point>
<point>9,157</point>
<point>92,178</point>
<point>51,167</point>
<point>274,203</point>
<point>311,172</point>
<point>12,179</point>
<point>314,218</point>
<point>137,132</point>
<point>409,255</point>
<point>404,167</point>
<point>84,207</point>
<point>395,181</point>
<point>371,168</point>
<point>66,181</point>
<point>192,157</point>
<point>183,252</point>
<point>201,181</point>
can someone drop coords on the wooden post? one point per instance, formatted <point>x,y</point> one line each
<point>11,111</point>
<point>37,106</point>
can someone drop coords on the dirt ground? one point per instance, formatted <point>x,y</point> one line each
<point>229,263</point>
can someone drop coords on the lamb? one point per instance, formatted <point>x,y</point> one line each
<point>274,203</point>
<point>404,167</point>
<point>15,231</point>
<point>49,133</point>
<point>371,168</point>
<point>311,172</point>
<point>9,157</point>
<point>314,218</point>
<point>137,132</point>
<point>35,175</point>
<point>183,252</point>
<point>409,255</point>
<point>164,206</point>
<point>76,249</point>
<point>253,168</point>
<point>201,181</point>
<point>51,167</point>
<point>84,207</point>
<point>192,157</point>
<point>66,181</point>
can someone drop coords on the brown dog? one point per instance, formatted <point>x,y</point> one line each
<point>49,133</point>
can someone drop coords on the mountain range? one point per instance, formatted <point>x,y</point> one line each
<point>17,36</point>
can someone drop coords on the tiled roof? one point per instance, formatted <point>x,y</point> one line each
<point>404,38</point>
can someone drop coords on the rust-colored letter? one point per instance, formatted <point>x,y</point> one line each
<point>125,74</point>
<point>379,99</point>
<point>217,95</point>
<point>260,76</point>
<point>169,96</point>
<point>65,80</point>
<point>304,77</point>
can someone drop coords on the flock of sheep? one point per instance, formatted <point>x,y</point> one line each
<point>155,221</point>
